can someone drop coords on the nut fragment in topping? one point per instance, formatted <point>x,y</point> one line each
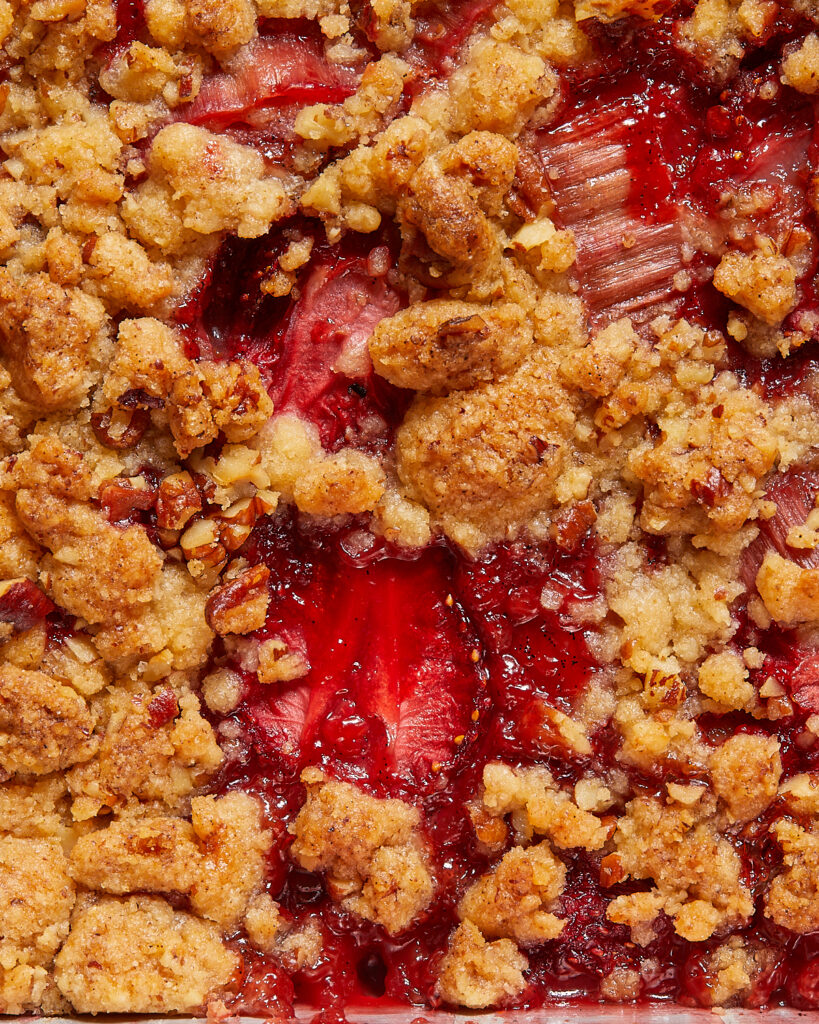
<point>120,429</point>
<point>44,725</point>
<point>174,959</point>
<point>477,973</point>
<point>239,606</point>
<point>201,544</point>
<point>177,500</point>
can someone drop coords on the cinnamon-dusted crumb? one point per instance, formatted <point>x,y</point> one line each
<point>36,897</point>
<point>484,461</point>
<point>54,339</point>
<point>219,28</point>
<point>477,973</point>
<point>697,873</point>
<point>138,760</point>
<point>201,183</point>
<point>733,967</point>
<point>793,897</point>
<point>137,855</point>
<point>800,69</point>
<point>548,810</point>
<point>44,725</point>
<point>371,850</point>
<point>234,843</point>
<point>763,284</point>
<point>745,772</point>
<point>139,955</point>
<point>790,592</point>
<point>516,899</point>
<point>724,678</point>
<point>36,809</point>
<point>447,346</point>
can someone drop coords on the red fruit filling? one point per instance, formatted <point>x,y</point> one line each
<point>23,605</point>
<point>311,347</point>
<point>420,668</point>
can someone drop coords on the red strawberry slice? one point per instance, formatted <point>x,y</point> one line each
<point>311,348</point>
<point>271,71</point>
<point>392,683</point>
<point>804,684</point>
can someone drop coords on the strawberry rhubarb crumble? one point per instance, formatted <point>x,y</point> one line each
<point>409,520</point>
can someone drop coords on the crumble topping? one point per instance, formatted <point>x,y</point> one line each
<point>372,851</point>
<point>408,485</point>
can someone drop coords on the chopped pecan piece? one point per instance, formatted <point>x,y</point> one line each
<point>239,606</point>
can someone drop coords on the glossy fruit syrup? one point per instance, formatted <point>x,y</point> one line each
<point>424,665</point>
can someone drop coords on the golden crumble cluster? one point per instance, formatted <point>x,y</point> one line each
<point>558,386</point>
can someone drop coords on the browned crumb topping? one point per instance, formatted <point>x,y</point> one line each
<point>141,956</point>
<point>372,851</point>
<point>123,883</point>
<point>477,973</point>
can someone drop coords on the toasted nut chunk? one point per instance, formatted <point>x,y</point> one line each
<point>44,726</point>
<point>177,500</point>
<point>139,955</point>
<point>239,606</point>
<point>477,973</point>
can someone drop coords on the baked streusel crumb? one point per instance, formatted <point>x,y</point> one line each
<point>409,472</point>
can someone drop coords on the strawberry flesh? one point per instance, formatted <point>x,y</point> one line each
<point>392,682</point>
<point>311,347</point>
